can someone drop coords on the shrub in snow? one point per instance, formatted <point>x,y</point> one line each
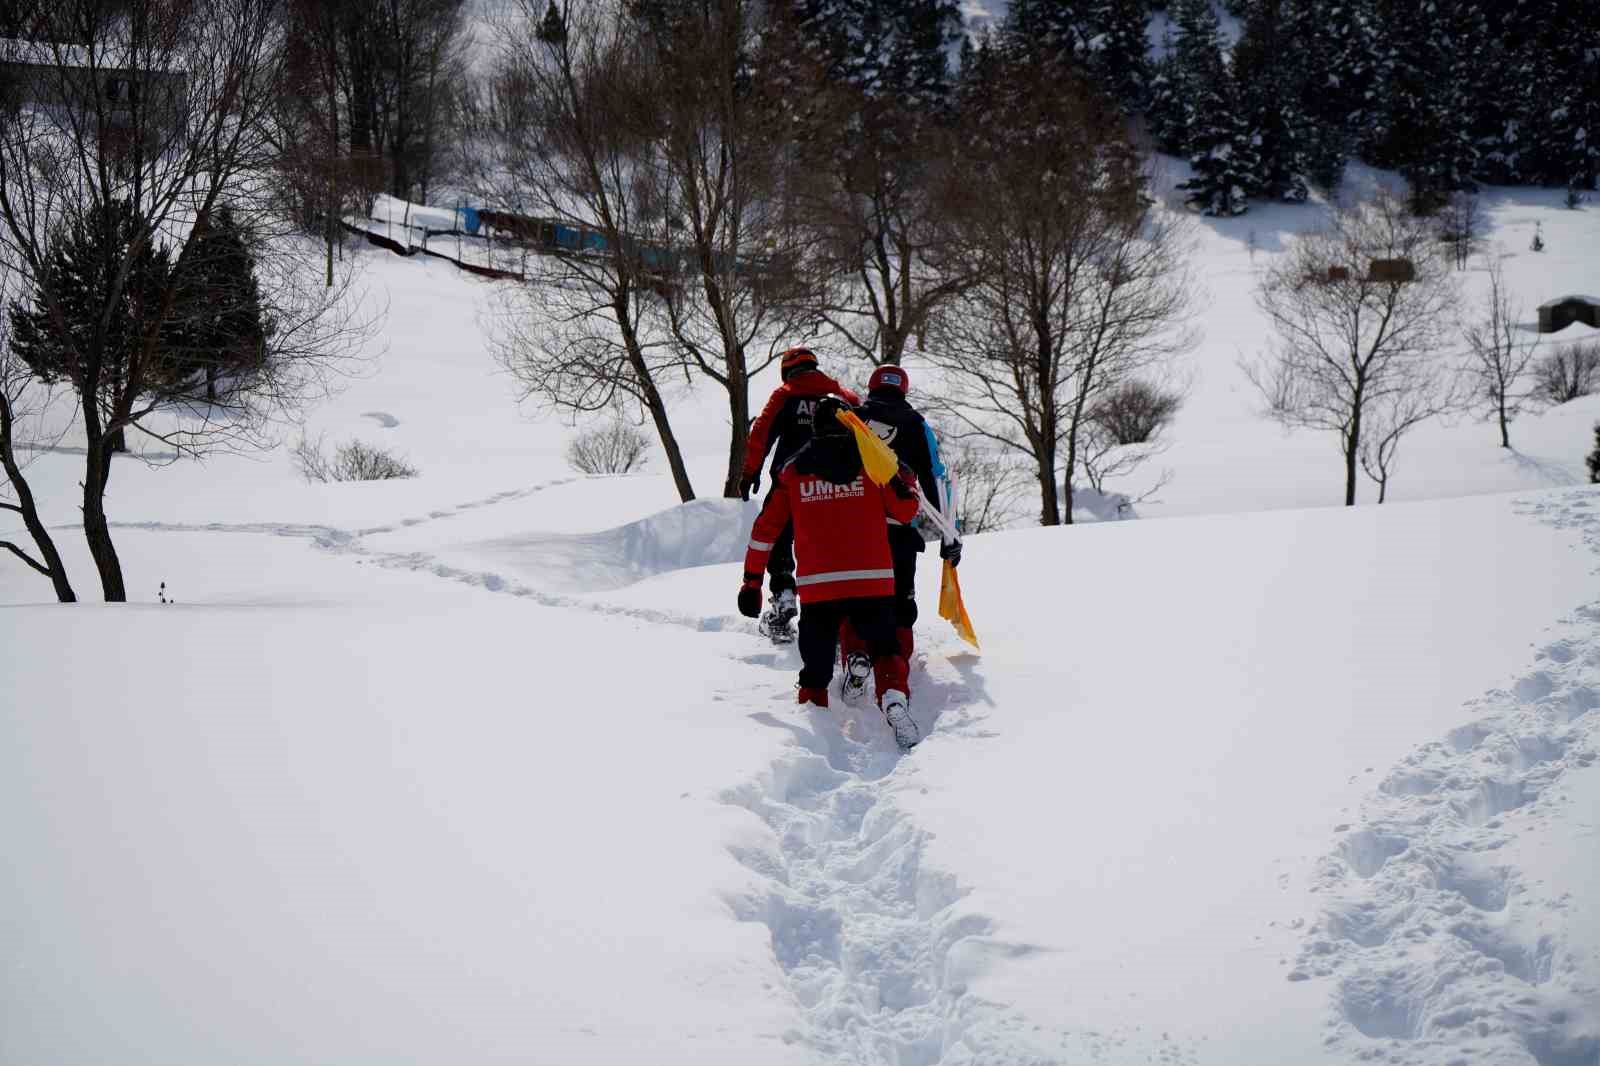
<point>1594,458</point>
<point>1134,413</point>
<point>615,448</point>
<point>1461,225</point>
<point>1567,373</point>
<point>351,461</point>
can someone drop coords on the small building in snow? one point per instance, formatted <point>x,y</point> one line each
<point>1560,313</point>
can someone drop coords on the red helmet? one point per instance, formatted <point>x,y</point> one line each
<point>795,360</point>
<point>889,377</point>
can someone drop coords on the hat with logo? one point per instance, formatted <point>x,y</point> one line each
<point>889,377</point>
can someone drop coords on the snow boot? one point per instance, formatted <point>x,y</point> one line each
<point>816,697</point>
<point>775,624</point>
<point>898,712</point>
<point>857,668</point>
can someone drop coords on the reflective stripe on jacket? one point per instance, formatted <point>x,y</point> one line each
<point>841,542</point>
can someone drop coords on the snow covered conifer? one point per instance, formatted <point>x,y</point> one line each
<point>1119,51</point>
<point>1222,146</point>
<point>85,260</point>
<point>217,324</point>
<point>1167,115</point>
<point>1269,99</point>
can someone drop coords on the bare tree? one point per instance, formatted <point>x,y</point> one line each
<point>1569,372</point>
<point>1501,355</point>
<point>133,138</point>
<point>879,244</point>
<point>1461,225</point>
<point>21,399</point>
<point>722,167</point>
<point>883,262</point>
<point>1397,410</point>
<point>419,53</point>
<point>574,117</point>
<point>1361,309</point>
<point>1081,282</point>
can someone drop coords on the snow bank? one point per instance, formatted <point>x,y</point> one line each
<point>698,533</point>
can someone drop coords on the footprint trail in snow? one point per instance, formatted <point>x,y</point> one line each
<point>1439,952</point>
<point>876,945</point>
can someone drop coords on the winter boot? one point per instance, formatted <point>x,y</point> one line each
<point>776,622</point>
<point>816,697</point>
<point>898,712</point>
<point>857,668</point>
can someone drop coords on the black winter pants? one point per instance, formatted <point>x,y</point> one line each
<point>905,544</point>
<point>873,619</point>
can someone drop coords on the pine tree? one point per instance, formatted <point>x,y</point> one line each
<point>894,52</point>
<point>1269,99</point>
<point>1167,114</point>
<point>1425,126</point>
<point>553,29</point>
<point>218,329</point>
<point>77,284</point>
<point>1061,29</point>
<point>1120,51</point>
<point>1335,51</point>
<point>1221,145</point>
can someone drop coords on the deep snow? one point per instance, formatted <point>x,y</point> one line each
<point>483,766</point>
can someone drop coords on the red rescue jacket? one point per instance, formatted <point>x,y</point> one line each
<point>786,420</point>
<point>841,541</point>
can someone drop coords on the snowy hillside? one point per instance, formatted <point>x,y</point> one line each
<point>483,766</point>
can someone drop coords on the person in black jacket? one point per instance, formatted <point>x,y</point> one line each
<point>783,427</point>
<point>890,415</point>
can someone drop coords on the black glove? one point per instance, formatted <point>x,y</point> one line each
<point>902,488</point>
<point>747,485</point>
<point>750,601</point>
<point>951,550</point>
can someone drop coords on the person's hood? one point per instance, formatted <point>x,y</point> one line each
<point>834,459</point>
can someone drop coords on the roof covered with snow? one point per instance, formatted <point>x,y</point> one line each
<point>1563,299</point>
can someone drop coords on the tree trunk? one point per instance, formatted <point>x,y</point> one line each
<point>1350,463</point>
<point>211,384</point>
<point>1352,453</point>
<point>30,511</point>
<point>1505,428</point>
<point>96,530</point>
<point>739,420</point>
<point>669,443</point>
<point>1050,508</point>
<point>651,396</point>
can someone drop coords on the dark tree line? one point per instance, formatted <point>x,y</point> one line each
<point>1450,93</point>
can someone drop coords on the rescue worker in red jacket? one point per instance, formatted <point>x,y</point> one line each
<point>846,571</point>
<point>784,427</point>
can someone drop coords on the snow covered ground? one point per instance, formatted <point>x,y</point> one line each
<point>482,766</point>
